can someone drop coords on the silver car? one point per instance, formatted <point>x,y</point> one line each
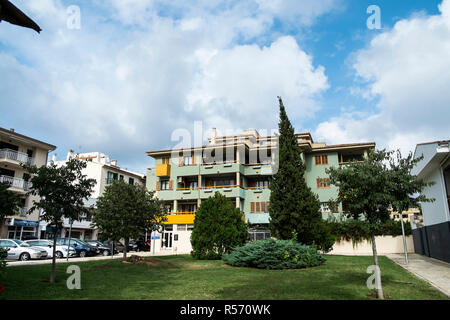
<point>18,250</point>
<point>47,245</point>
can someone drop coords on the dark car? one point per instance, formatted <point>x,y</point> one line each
<point>119,247</point>
<point>82,248</point>
<point>141,245</point>
<point>132,246</point>
<point>104,250</point>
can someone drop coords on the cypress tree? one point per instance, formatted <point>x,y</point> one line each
<point>294,208</point>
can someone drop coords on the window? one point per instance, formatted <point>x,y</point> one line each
<point>259,184</point>
<point>323,183</point>
<point>131,181</point>
<point>121,177</point>
<point>181,227</point>
<point>111,176</point>
<point>321,160</point>
<point>164,184</point>
<point>259,207</point>
<point>187,161</point>
<point>192,184</point>
<point>324,207</point>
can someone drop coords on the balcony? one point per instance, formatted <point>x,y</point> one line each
<point>22,212</point>
<point>13,155</point>
<point>16,183</point>
<point>163,170</point>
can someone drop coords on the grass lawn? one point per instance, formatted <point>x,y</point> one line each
<point>181,277</point>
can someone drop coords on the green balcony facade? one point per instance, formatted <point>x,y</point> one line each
<point>189,180</point>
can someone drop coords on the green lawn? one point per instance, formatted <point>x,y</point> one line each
<point>340,277</point>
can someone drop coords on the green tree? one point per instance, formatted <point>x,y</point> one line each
<point>294,208</point>
<point>369,188</point>
<point>218,227</point>
<point>62,192</point>
<point>127,211</point>
<point>9,201</point>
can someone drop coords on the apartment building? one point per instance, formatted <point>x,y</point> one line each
<point>15,150</point>
<point>104,171</point>
<point>431,232</point>
<point>238,167</point>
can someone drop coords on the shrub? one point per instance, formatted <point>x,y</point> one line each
<point>358,231</point>
<point>218,227</point>
<point>3,255</point>
<point>274,254</point>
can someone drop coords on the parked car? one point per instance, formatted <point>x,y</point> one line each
<point>140,245</point>
<point>104,250</point>
<point>60,251</point>
<point>82,248</point>
<point>18,250</point>
<point>117,245</point>
<point>132,246</point>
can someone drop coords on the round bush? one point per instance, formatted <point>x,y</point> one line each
<point>274,254</point>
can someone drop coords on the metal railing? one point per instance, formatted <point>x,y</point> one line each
<point>15,182</point>
<point>16,155</point>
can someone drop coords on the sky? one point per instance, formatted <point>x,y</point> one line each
<point>124,77</point>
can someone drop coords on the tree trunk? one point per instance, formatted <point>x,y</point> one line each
<point>127,241</point>
<point>377,274</point>
<point>52,275</point>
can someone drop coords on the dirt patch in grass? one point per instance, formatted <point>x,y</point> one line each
<point>152,262</point>
<point>375,296</point>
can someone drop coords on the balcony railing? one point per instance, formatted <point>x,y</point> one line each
<point>15,182</point>
<point>16,155</point>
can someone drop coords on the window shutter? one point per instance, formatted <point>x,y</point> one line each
<point>180,161</point>
<point>252,207</point>
<point>257,206</point>
<point>193,159</point>
<point>318,182</point>
<point>317,158</point>
<point>158,185</point>
<point>171,184</point>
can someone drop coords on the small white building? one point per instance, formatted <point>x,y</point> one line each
<point>432,236</point>
<point>17,149</point>
<point>104,171</point>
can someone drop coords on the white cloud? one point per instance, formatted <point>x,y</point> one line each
<point>408,69</point>
<point>123,90</point>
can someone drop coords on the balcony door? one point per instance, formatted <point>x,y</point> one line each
<point>6,172</point>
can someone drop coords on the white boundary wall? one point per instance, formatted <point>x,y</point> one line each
<point>385,245</point>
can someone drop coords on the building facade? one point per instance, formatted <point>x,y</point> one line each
<point>432,233</point>
<point>238,167</point>
<point>104,171</point>
<point>15,150</point>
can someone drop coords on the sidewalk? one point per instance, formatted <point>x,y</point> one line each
<point>435,272</point>
<point>73,260</point>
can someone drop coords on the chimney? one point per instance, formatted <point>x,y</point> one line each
<point>213,135</point>
<point>54,157</point>
<point>114,163</point>
<point>69,155</point>
<point>12,129</point>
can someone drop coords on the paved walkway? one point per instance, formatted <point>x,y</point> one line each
<point>435,272</point>
<point>12,263</point>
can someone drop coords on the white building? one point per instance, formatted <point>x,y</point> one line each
<point>104,171</point>
<point>15,150</point>
<point>432,236</point>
